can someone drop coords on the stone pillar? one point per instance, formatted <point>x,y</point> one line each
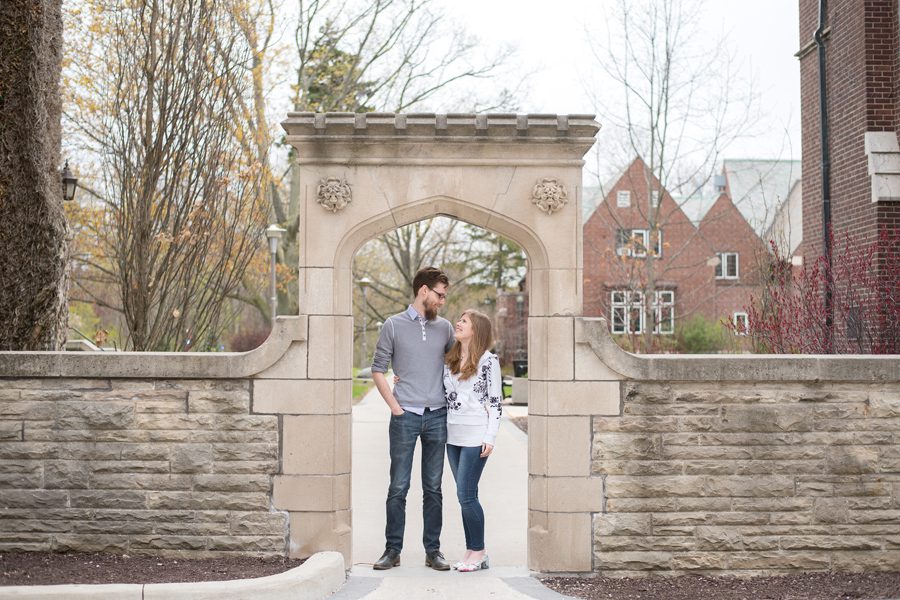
<point>311,392</point>
<point>568,387</point>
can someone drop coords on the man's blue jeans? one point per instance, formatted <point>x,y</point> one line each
<point>467,465</point>
<point>404,430</point>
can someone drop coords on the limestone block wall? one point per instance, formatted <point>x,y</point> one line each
<point>176,454</point>
<point>745,465</point>
<point>137,466</point>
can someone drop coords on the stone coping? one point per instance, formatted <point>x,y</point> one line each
<point>317,578</point>
<point>164,365</point>
<point>734,367</point>
<point>421,127</point>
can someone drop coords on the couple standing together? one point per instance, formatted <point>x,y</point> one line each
<point>447,394</point>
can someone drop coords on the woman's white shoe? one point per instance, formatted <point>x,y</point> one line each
<point>477,566</point>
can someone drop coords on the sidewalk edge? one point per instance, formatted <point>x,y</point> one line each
<point>316,579</point>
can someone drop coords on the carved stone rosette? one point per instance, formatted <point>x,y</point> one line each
<point>333,194</point>
<point>549,194</point>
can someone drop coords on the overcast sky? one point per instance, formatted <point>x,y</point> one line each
<point>551,40</point>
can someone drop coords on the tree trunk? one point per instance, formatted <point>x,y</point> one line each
<point>33,248</point>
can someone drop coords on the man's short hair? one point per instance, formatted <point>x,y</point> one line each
<point>430,276</point>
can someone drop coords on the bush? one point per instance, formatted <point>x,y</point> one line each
<point>700,336</point>
<point>791,313</point>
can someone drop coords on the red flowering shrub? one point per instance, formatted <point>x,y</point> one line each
<point>790,314</point>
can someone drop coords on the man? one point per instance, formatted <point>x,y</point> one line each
<point>415,342</point>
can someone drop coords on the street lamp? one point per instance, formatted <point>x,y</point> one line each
<point>69,183</point>
<point>274,233</point>
<point>364,283</point>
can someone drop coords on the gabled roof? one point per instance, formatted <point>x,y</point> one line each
<point>593,195</point>
<point>698,204</point>
<point>759,187</point>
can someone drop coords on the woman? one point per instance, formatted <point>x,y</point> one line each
<point>474,389</point>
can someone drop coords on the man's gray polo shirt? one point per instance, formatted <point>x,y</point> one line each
<point>415,348</point>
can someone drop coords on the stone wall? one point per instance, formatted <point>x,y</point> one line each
<point>137,466</point>
<point>737,477</point>
<point>745,464</point>
<point>126,459</point>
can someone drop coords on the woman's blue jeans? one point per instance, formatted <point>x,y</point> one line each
<point>467,465</point>
<point>431,429</point>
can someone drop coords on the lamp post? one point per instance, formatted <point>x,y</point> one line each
<point>69,183</point>
<point>364,283</point>
<point>273,233</point>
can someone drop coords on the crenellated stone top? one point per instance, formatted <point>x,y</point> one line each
<point>390,137</point>
<point>535,127</point>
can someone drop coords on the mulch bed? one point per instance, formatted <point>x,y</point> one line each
<point>54,568</point>
<point>810,586</point>
<point>50,568</point>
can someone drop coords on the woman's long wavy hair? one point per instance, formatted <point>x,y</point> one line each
<point>481,342</point>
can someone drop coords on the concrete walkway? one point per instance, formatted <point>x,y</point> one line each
<point>503,493</point>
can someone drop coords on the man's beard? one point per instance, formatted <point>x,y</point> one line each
<point>430,312</point>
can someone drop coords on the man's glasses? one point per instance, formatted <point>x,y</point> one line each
<point>439,294</point>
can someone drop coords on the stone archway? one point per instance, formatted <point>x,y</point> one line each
<point>365,174</point>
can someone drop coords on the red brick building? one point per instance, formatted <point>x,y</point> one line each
<point>859,90</point>
<point>512,324</point>
<point>741,253</point>
<point>640,239</point>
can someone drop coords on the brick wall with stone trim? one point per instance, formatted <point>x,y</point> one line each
<point>862,77</point>
<point>743,465</point>
<point>166,453</point>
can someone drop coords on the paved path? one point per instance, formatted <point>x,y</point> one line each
<point>504,495</point>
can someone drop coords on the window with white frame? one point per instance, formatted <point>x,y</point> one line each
<point>741,323</point>
<point>628,313</point>
<point>664,312</point>
<point>654,199</point>
<point>632,242</point>
<point>640,241</point>
<point>635,242</point>
<point>728,266</point>
<point>623,199</point>
<point>618,302</point>
<point>627,309</point>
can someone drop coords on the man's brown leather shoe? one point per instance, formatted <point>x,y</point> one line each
<point>390,558</point>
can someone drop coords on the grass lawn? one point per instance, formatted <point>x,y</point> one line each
<point>360,386</point>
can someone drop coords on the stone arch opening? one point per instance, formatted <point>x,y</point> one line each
<point>454,208</point>
<point>503,489</point>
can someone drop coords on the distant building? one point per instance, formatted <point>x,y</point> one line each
<point>761,192</point>
<point>707,250</point>
<point>512,324</point>
<point>707,265</point>
<point>618,239</point>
